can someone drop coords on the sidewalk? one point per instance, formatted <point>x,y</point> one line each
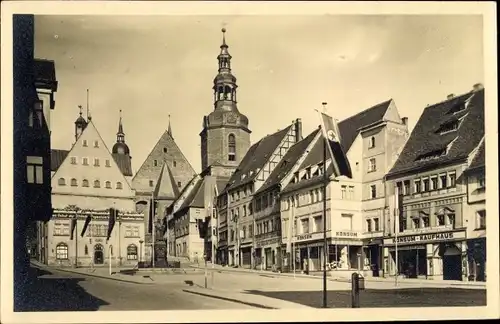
<point>245,298</point>
<point>331,277</point>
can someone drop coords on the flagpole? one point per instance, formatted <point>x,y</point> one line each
<point>396,230</point>
<point>153,227</point>
<point>325,244</point>
<point>76,239</point>
<point>292,234</point>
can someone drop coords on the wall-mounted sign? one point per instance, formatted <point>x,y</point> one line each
<point>346,234</point>
<point>303,237</point>
<point>433,237</point>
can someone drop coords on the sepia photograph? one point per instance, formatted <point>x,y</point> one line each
<point>242,158</point>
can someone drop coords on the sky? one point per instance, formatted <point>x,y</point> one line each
<point>151,67</point>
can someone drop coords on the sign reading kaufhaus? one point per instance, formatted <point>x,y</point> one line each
<point>427,237</point>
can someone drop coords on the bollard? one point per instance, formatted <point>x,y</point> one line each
<point>355,290</point>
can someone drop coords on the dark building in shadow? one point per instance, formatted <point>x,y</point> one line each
<point>34,87</point>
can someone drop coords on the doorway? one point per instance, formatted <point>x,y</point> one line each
<point>452,264</point>
<point>98,254</point>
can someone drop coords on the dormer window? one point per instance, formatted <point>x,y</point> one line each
<point>371,142</point>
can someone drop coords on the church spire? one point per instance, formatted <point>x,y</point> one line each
<point>225,82</point>
<point>170,127</point>
<point>120,147</point>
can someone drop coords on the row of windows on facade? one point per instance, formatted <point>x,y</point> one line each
<point>85,161</point>
<point>85,183</point>
<point>423,220</point>
<point>85,143</point>
<point>94,230</point>
<point>62,251</point>
<point>152,183</point>
<point>429,183</point>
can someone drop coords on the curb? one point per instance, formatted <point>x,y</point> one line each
<point>101,277</point>
<point>228,299</point>
<point>346,280</point>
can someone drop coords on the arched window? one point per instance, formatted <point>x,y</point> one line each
<point>108,184</point>
<point>119,185</point>
<point>132,252</point>
<point>371,142</point>
<point>74,182</point>
<point>97,184</point>
<point>61,182</point>
<point>62,251</point>
<point>231,145</point>
<point>227,93</point>
<point>221,93</point>
<point>85,183</point>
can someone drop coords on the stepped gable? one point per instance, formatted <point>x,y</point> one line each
<point>429,138</point>
<point>288,161</point>
<point>349,128</point>
<point>256,158</point>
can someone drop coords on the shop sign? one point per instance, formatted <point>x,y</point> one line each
<point>445,236</point>
<point>346,234</point>
<point>303,237</point>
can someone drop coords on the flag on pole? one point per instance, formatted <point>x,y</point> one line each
<point>73,226</point>
<point>331,133</point>
<point>86,224</point>
<point>111,222</point>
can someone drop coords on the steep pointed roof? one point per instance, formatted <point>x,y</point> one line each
<point>288,161</point>
<point>166,187</point>
<point>349,128</point>
<point>446,132</point>
<point>256,157</point>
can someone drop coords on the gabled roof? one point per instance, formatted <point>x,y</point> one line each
<point>182,193</point>
<point>349,128</point>
<point>288,161</point>
<point>314,180</point>
<point>124,162</point>
<point>428,147</point>
<point>56,158</point>
<point>166,187</point>
<point>479,159</point>
<point>195,198</point>
<point>256,158</point>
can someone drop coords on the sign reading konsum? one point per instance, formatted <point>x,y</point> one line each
<point>346,234</point>
<point>431,237</point>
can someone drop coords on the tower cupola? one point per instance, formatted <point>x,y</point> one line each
<point>120,147</point>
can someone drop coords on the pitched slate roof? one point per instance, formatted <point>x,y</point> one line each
<point>56,158</point>
<point>479,159</point>
<point>256,158</point>
<point>124,162</point>
<point>349,128</point>
<point>195,197</point>
<point>170,208</point>
<point>166,186</point>
<point>314,180</point>
<point>288,161</point>
<point>426,138</point>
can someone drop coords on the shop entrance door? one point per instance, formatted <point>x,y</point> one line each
<point>452,264</point>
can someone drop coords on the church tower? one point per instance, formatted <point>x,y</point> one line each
<point>120,147</point>
<point>225,137</point>
<point>80,125</point>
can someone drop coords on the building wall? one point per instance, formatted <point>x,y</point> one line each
<point>476,204</point>
<point>93,202</point>
<point>214,143</point>
<point>146,177</point>
<point>77,247</point>
<point>188,242</point>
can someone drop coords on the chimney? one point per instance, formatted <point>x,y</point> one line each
<point>478,87</point>
<point>298,130</point>
<point>404,120</point>
<point>451,95</point>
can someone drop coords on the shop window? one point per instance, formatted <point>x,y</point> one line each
<point>62,251</point>
<point>481,219</point>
